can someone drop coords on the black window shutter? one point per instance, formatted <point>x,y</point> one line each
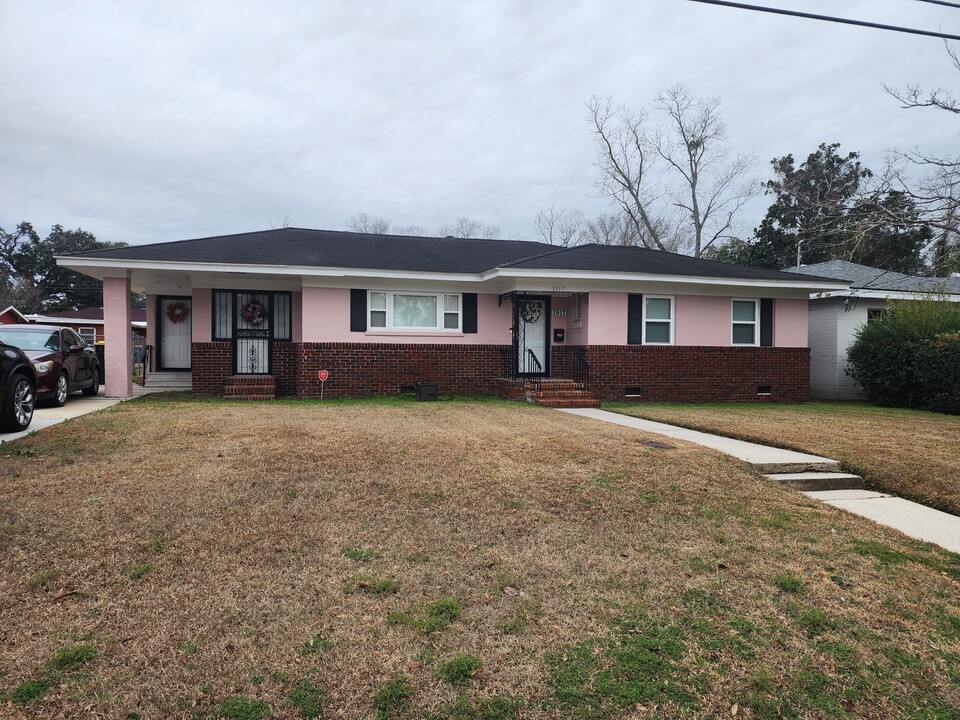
<point>634,319</point>
<point>469,312</point>
<point>766,322</point>
<point>358,311</point>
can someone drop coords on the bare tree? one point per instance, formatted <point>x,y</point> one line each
<point>414,230</point>
<point>373,224</point>
<point>464,227</point>
<point>677,184</point>
<point>937,189</point>
<point>611,229</point>
<point>563,227</point>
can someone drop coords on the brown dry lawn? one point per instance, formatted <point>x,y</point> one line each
<point>178,558</point>
<point>911,453</point>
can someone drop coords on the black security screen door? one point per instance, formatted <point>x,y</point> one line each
<point>252,336</point>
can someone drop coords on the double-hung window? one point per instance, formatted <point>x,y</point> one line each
<point>414,311</point>
<point>657,320</point>
<point>745,316</point>
<point>89,335</point>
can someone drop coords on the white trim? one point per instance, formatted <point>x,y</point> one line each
<point>670,322</point>
<point>883,295</point>
<point>755,323</point>
<point>492,274</point>
<point>438,328</point>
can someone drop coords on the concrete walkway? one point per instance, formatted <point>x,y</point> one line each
<point>77,405</point>
<point>910,518</point>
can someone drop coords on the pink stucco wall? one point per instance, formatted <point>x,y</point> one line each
<point>201,329</point>
<point>790,323</point>
<point>577,329</point>
<point>608,319</point>
<point>698,320</point>
<point>326,318</point>
<point>118,347</point>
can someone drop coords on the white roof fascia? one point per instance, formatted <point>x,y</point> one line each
<point>882,295</point>
<point>656,277</point>
<point>494,273</point>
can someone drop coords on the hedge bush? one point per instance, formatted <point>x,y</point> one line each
<point>910,357</point>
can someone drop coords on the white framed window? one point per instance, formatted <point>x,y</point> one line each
<point>745,314</point>
<point>658,320</point>
<point>388,310</point>
<point>89,335</point>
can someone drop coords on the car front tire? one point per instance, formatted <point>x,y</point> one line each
<point>18,403</point>
<point>62,390</point>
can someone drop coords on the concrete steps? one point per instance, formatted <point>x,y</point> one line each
<point>816,481</point>
<point>250,387</point>
<point>168,380</point>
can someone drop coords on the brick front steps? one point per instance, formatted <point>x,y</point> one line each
<point>250,387</point>
<point>558,393</point>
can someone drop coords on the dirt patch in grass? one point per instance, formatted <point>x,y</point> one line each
<point>910,453</point>
<point>584,573</point>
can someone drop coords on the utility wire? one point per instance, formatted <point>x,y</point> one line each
<point>941,2</point>
<point>830,18</point>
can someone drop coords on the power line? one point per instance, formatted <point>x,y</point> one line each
<point>941,2</point>
<point>830,18</point>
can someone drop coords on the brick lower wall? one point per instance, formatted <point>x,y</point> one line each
<point>357,370</point>
<point>211,365</point>
<point>673,373</point>
<point>699,374</point>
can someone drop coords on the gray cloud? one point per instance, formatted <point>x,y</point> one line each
<point>148,122</point>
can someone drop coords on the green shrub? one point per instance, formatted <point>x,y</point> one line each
<point>908,358</point>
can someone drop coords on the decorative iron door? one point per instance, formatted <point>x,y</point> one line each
<point>252,338</point>
<point>531,334</point>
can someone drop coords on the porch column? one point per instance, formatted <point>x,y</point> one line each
<point>118,345</point>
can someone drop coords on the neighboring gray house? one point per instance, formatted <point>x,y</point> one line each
<point>835,316</point>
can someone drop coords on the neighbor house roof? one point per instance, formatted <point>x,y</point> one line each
<point>865,278</point>
<point>84,316</point>
<point>349,250</point>
<point>11,310</point>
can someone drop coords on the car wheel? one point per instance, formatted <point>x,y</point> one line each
<point>63,390</point>
<point>94,386</point>
<point>18,402</point>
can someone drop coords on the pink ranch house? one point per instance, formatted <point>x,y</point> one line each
<point>259,315</point>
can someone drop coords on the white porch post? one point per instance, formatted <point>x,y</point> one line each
<point>118,344</point>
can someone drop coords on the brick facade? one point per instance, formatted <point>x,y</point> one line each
<point>671,373</point>
<point>652,373</point>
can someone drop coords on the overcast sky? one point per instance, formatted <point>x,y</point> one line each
<point>148,121</point>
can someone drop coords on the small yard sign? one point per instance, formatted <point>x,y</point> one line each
<point>323,375</point>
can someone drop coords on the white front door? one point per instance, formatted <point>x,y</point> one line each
<point>532,324</point>
<point>175,333</point>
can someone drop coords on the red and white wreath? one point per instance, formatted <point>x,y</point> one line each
<point>254,313</point>
<point>177,312</point>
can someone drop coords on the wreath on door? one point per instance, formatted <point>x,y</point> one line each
<point>531,310</point>
<point>254,313</point>
<point>177,312</point>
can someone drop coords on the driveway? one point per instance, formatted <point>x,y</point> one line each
<point>77,405</point>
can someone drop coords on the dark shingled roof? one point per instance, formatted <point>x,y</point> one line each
<point>863,277</point>
<point>614,258</point>
<point>327,248</point>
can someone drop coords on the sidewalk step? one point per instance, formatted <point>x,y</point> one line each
<point>808,481</point>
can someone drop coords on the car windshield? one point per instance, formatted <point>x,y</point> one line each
<point>31,339</point>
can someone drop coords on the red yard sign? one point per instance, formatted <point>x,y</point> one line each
<point>323,375</point>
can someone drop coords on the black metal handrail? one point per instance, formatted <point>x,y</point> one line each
<point>581,369</point>
<point>534,370</point>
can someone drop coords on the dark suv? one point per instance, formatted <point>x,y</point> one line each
<point>18,389</point>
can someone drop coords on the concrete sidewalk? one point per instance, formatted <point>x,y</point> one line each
<point>77,405</point>
<point>910,518</point>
